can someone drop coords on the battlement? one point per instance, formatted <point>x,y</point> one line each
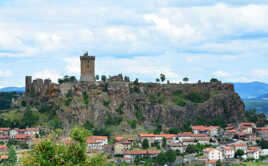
<point>86,57</point>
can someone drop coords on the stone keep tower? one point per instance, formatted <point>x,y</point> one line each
<point>87,68</point>
<point>28,85</point>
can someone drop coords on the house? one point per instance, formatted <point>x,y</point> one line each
<point>122,146</point>
<point>152,138</point>
<point>24,138</point>
<point>119,139</point>
<point>32,131</point>
<point>230,133</point>
<point>131,155</point>
<point>187,142</point>
<point>228,152</point>
<point>213,154</point>
<point>253,152</point>
<point>240,146</point>
<point>262,132</point>
<point>4,139</point>
<point>247,124</point>
<point>202,138</point>
<point>96,143</point>
<point>177,147</point>
<point>185,135</point>
<point>3,149</point>
<point>209,130</point>
<point>4,131</point>
<point>246,129</point>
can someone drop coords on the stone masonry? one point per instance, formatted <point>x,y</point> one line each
<point>87,68</point>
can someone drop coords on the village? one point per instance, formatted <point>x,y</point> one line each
<point>228,145</point>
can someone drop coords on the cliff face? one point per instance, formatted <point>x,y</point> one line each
<point>121,104</point>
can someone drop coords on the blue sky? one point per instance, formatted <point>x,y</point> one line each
<point>199,39</point>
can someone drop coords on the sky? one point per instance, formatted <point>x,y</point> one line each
<point>198,39</point>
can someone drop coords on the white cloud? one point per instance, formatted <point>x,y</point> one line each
<point>259,72</point>
<point>45,74</point>
<point>221,73</point>
<point>5,73</point>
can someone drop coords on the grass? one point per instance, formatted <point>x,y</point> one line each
<point>250,164</point>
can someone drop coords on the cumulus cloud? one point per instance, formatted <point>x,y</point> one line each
<point>220,73</point>
<point>5,73</point>
<point>178,38</point>
<point>47,74</point>
<point>259,72</point>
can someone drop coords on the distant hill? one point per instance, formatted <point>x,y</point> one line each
<point>13,89</point>
<point>251,90</point>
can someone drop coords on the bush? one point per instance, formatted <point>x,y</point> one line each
<point>145,144</point>
<point>119,109</point>
<point>85,97</point>
<point>67,101</point>
<point>197,97</point>
<point>106,103</point>
<point>138,113</point>
<point>113,120</point>
<point>132,123</point>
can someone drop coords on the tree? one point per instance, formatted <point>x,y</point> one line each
<point>51,153</point>
<point>218,163</point>
<point>157,80</point>
<point>145,144</point>
<point>103,78</point>
<point>162,77</point>
<point>12,157</point>
<point>29,118</point>
<point>239,153</point>
<point>214,80</point>
<point>97,77</point>
<point>164,142</point>
<point>185,79</point>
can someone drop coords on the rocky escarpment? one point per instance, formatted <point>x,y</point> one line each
<point>129,106</point>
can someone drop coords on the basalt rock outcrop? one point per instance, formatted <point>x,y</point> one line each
<point>118,102</point>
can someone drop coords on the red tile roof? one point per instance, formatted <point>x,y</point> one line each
<point>211,162</point>
<point>228,148</point>
<point>240,144</point>
<point>3,147</point>
<point>23,136</point>
<point>32,129</point>
<point>141,152</point>
<point>92,142</point>
<point>205,128</point>
<point>4,137</point>
<point>97,138</point>
<point>209,150</point>
<point>4,157</point>
<point>231,131</point>
<point>185,134</point>
<point>253,149</point>
<point>188,140</point>
<point>167,136</point>
<point>247,124</point>
<point>4,129</point>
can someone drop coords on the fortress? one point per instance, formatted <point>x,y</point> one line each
<point>40,86</point>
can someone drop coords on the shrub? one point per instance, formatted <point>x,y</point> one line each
<point>67,101</point>
<point>119,109</point>
<point>145,144</point>
<point>138,113</point>
<point>106,103</point>
<point>197,97</point>
<point>132,123</point>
